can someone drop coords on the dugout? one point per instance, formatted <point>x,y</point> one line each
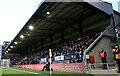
<point>65,20</point>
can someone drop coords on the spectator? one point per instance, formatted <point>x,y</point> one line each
<point>92,61</point>
<point>79,56</point>
<point>72,60</point>
<point>103,56</point>
<point>117,57</point>
<point>87,58</point>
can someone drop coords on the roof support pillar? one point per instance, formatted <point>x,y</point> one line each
<point>62,35</point>
<point>36,46</point>
<point>51,41</point>
<point>80,27</point>
<point>42,43</point>
<point>30,48</point>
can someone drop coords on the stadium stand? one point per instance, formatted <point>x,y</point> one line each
<point>66,47</point>
<point>68,28</point>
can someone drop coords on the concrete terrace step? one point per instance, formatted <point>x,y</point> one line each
<point>106,75</point>
<point>111,72</point>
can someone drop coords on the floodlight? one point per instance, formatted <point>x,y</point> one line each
<point>31,27</point>
<point>21,36</point>
<point>48,13</point>
<point>15,42</point>
<point>11,46</point>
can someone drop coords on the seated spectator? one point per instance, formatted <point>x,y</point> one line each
<point>79,56</point>
<point>92,61</point>
<point>39,61</point>
<point>72,60</point>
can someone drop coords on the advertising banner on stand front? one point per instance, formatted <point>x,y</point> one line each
<point>60,67</point>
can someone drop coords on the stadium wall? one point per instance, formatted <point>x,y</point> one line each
<point>104,43</point>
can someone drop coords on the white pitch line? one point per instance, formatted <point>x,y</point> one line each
<point>24,71</point>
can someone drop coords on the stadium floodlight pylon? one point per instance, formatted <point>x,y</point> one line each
<point>5,63</point>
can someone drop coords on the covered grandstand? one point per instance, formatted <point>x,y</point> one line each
<point>67,28</point>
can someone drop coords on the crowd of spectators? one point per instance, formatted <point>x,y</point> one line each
<point>67,46</point>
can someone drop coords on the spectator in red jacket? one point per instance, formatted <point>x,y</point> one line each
<point>103,56</point>
<point>92,61</point>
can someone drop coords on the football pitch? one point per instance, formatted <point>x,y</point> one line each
<point>26,72</point>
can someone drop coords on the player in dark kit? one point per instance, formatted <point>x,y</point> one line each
<point>47,66</point>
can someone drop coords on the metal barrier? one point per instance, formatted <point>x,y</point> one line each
<point>99,66</point>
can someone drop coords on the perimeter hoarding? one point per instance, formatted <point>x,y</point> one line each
<point>60,67</point>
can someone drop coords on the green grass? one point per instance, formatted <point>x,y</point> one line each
<point>27,72</point>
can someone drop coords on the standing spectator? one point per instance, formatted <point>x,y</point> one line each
<point>39,61</point>
<point>87,58</point>
<point>92,61</point>
<point>117,57</point>
<point>113,51</point>
<point>79,56</point>
<point>103,56</point>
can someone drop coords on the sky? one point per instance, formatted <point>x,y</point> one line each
<point>13,16</point>
<point>15,13</point>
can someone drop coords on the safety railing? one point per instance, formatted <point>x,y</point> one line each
<point>107,67</point>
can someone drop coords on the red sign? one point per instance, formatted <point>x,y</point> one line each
<point>60,67</point>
